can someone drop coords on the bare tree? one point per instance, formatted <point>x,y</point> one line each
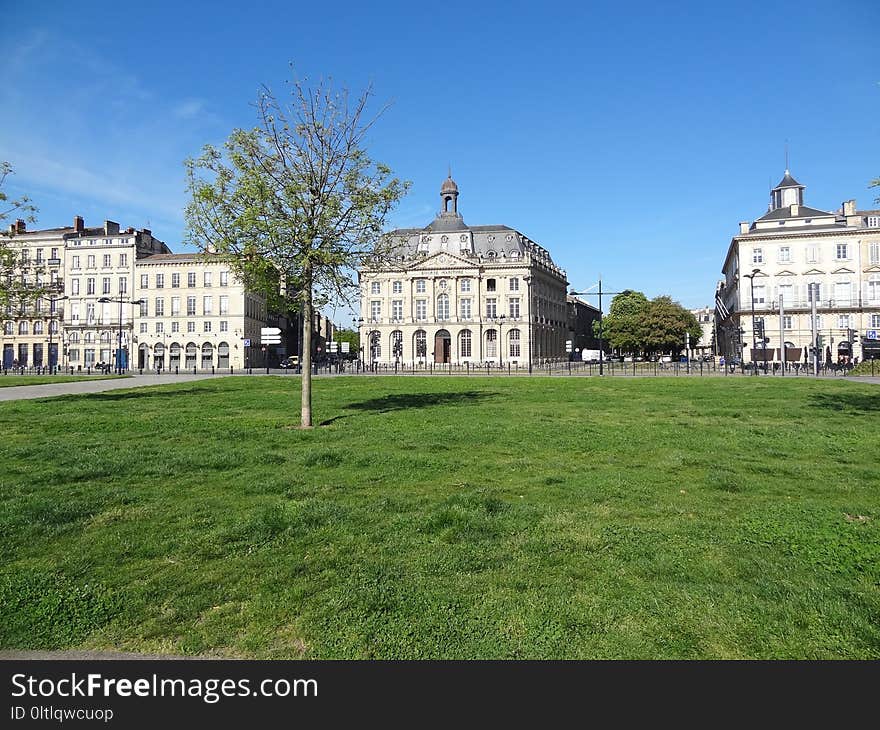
<point>295,204</point>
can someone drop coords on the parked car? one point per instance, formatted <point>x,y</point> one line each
<point>290,362</point>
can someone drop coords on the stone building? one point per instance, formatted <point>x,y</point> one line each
<point>790,254</point>
<point>453,293</point>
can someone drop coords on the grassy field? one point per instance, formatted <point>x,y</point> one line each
<point>447,518</point>
<point>8,381</point>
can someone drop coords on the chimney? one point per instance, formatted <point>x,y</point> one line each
<point>78,224</point>
<point>146,231</point>
<point>20,226</point>
<point>744,227</point>
<point>849,207</point>
<point>129,230</point>
<point>110,228</point>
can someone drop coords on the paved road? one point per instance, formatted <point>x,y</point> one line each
<point>24,392</point>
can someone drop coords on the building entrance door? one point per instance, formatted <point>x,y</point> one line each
<point>442,346</point>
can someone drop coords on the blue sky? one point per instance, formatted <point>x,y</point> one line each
<point>627,138</point>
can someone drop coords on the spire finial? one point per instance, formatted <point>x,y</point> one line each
<point>450,170</point>
<point>786,156</point>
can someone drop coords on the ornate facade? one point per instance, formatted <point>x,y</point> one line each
<point>453,293</point>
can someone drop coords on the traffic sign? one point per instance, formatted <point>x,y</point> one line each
<point>568,345</point>
<point>270,340</point>
<point>871,335</point>
<point>346,347</point>
<point>334,346</point>
<point>247,342</point>
<point>269,331</point>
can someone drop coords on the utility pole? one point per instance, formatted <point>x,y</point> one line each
<point>589,293</point>
<point>813,333</point>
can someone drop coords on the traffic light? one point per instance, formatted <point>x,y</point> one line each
<point>853,336</point>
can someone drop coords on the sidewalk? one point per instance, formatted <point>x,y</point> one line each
<point>25,392</point>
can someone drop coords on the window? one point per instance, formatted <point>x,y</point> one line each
<point>421,309</point>
<point>757,256</point>
<point>160,327</point>
<point>818,321</point>
<point>191,279</point>
<point>39,255</point>
<point>224,278</point>
<point>420,286</point>
<point>207,305</point>
<point>22,328</point>
<point>465,305</point>
<point>144,312</point>
<point>843,321</point>
<point>491,343</point>
<point>513,338</point>
<point>90,262</point>
<point>464,344</point>
<point>514,307</point>
<point>874,252</point>
<point>160,281</point>
<point>784,254</point>
<point>143,327</point>
<point>397,310</point>
<point>421,343</point>
<point>397,343</point>
<point>207,278</point>
<point>207,325</point>
<point>160,307</point>
<point>190,326</point>
<point>90,313</point>
<point>9,328</point>
<point>123,259</point>
<point>90,286</point>
<point>491,307</point>
<point>175,281</point>
<point>175,326</point>
<point>224,304</point>
<point>396,287</point>
<point>375,288</point>
<point>842,251</point>
<point>107,260</point>
<point>465,285</point>
<point>123,285</point>
<point>38,327</point>
<point>875,321</point>
<point>443,307</point>
<point>759,294</point>
<point>105,285</point>
<point>54,253</point>
<point>375,310</point>
<point>874,221</point>
<point>74,286</point>
<point>786,294</point>
<point>175,306</point>
<point>814,291</point>
<point>490,284</point>
<point>73,354</point>
<point>145,281</point>
<point>842,292</point>
<point>514,284</point>
<point>74,262</point>
<point>190,306</point>
<point>874,288</point>
<point>224,325</point>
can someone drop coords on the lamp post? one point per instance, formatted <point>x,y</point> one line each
<point>121,300</point>
<point>499,320</point>
<point>528,280</point>
<point>52,301</point>
<point>600,292</point>
<point>751,278</point>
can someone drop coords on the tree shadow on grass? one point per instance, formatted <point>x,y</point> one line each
<point>858,402</point>
<point>408,401</point>
<point>143,393</point>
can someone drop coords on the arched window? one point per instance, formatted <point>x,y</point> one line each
<point>513,337</point>
<point>9,328</point>
<point>22,328</point>
<point>105,337</point>
<point>191,351</point>
<point>397,344</point>
<point>443,306</point>
<point>38,328</point>
<point>464,343</point>
<point>491,343</point>
<point>74,337</point>
<point>223,355</point>
<point>207,355</point>
<point>159,355</point>
<point>375,346</point>
<point>174,354</point>
<point>421,343</point>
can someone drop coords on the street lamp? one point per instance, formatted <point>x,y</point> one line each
<point>121,300</point>
<point>52,301</point>
<point>499,320</point>
<point>589,293</point>
<point>528,280</point>
<point>751,278</point>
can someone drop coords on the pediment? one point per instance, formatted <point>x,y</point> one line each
<point>786,273</point>
<point>443,260</point>
<point>875,269</point>
<point>814,272</point>
<point>843,270</point>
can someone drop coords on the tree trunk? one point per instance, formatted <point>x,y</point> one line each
<point>306,359</point>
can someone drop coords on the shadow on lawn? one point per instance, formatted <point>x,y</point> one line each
<point>408,401</point>
<point>862,402</point>
<point>149,393</point>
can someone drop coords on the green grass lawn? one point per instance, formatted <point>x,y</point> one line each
<point>8,381</point>
<point>447,518</point>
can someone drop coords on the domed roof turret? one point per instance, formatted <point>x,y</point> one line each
<point>448,186</point>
